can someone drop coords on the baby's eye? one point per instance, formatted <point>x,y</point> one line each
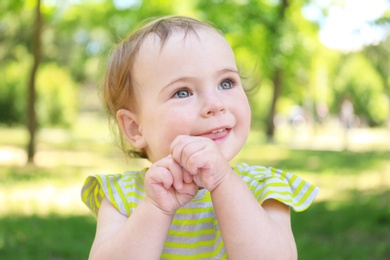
<point>226,84</point>
<point>182,93</point>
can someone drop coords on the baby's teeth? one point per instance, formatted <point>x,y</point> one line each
<point>217,131</point>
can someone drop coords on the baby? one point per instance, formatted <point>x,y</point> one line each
<point>175,91</point>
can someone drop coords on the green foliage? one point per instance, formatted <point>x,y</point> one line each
<point>379,56</point>
<point>15,60</point>
<point>13,92</point>
<point>58,96</point>
<point>358,80</point>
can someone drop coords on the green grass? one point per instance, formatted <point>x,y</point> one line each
<point>46,237</point>
<point>42,217</point>
<point>318,162</point>
<point>355,229</point>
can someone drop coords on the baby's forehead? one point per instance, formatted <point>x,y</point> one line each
<point>183,34</point>
<point>182,43</point>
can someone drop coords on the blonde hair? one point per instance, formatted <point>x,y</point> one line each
<point>118,89</point>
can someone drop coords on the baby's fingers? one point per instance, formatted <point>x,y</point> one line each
<point>177,174</point>
<point>187,151</point>
<point>175,171</point>
<point>160,175</point>
<point>187,177</point>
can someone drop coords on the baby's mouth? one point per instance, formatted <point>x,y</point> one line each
<point>217,135</point>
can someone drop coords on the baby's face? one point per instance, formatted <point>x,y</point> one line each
<point>190,86</point>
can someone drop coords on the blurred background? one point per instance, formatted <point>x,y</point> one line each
<point>317,73</point>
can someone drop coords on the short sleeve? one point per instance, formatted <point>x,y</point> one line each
<point>96,187</point>
<point>270,183</point>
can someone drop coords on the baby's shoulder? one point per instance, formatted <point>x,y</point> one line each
<point>122,190</point>
<point>271,183</point>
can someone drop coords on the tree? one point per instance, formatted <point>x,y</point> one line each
<point>277,72</point>
<point>362,75</point>
<point>31,114</point>
<point>362,84</point>
<point>379,56</point>
<point>15,59</point>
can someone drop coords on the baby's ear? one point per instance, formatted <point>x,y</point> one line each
<point>128,124</point>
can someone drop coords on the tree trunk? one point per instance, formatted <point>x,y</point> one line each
<point>31,114</point>
<point>277,90</point>
<point>277,76</point>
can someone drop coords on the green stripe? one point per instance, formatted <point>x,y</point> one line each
<point>186,211</point>
<point>191,233</point>
<point>192,221</point>
<point>135,195</point>
<point>292,179</point>
<point>306,195</point>
<point>298,189</point>
<point>122,196</point>
<point>203,255</point>
<point>110,194</point>
<point>204,243</point>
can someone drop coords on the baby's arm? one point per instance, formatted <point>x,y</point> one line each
<point>249,230</point>
<point>142,235</point>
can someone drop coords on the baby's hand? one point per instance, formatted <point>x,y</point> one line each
<point>202,158</point>
<point>167,186</point>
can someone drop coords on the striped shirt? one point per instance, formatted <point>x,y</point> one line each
<point>194,233</point>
